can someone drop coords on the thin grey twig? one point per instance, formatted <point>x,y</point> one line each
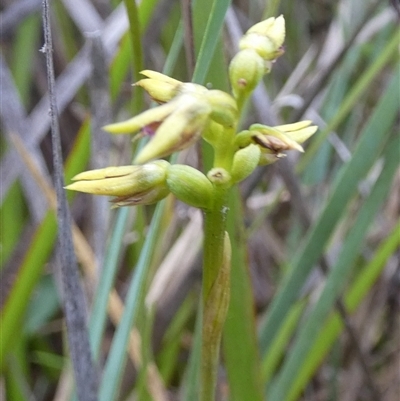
<point>188,35</point>
<point>74,299</point>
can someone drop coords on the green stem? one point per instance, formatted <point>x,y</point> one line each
<point>215,292</point>
<point>214,233</point>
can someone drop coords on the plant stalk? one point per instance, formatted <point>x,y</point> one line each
<point>215,291</point>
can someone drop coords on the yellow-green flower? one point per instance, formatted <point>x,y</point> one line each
<point>273,141</point>
<point>132,185</point>
<point>266,38</point>
<point>160,87</point>
<point>178,123</point>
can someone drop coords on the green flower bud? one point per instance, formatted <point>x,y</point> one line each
<point>190,186</point>
<point>244,162</point>
<point>246,71</point>
<point>273,28</point>
<point>266,38</point>
<point>223,106</point>
<point>243,139</point>
<point>132,185</point>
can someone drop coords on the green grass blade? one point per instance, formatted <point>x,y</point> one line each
<point>371,141</point>
<point>117,356</point>
<point>191,381</point>
<point>210,39</point>
<point>36,256</point>
<point>98,316</point>
<point>334,325</point>
<point>28,275</point>
<point>12,219</point>
<point>278,348</point>
<point>26,43</point>
<point>240,348</point>
<point>337,276</point>
<point>136,48</point>
<point>358,89</point>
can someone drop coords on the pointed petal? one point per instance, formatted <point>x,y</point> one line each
<point>178,131</point>
<point>294,127</point>
<point>117,186</point>
<point>303,134</point>
<point>107,172</point>
<point>159,91</point>
<point>160,77</point>
<point>138,122</point>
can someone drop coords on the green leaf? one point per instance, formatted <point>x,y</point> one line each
<point>210,38</point>
<point>337,276</point>
<point>240,338</point>
<point>31,268</point>
<point>373,137</point>
<point>334,325</point>
<point>117,356</point>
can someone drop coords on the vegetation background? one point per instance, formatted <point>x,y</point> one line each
<point>314,311</point>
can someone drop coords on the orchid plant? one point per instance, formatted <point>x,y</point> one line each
<point>188,112</point>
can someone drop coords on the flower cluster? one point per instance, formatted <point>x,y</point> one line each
<point>187,112</point>
<point>180,120</point>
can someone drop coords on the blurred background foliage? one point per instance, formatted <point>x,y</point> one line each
<point>314,311</point>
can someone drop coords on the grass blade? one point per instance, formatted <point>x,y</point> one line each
<point>117,355</point>
<point>239,339</point>
<point>337,277</point>
<point>209,42</point>
<point>373,136</point>
<point>352,98</point>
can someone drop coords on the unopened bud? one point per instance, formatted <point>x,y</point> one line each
<point>244,162</point>
<point>190,186</point>
<point>246,71</point>
<point>266,38</point>
<point>273,28</point>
